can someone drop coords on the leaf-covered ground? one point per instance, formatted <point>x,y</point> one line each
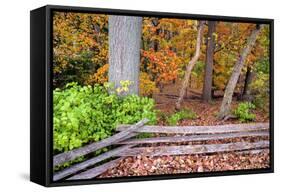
<point>142,165</point>
<point>137,166</point>
<point>206,112</point>
<point>206,115</point>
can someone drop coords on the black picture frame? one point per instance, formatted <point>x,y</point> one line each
<point>41,94</point>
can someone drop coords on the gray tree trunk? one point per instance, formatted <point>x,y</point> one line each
<point>189,67</point>
<point>208,78</point>
<point>227,99</point>
<point>124,51</point>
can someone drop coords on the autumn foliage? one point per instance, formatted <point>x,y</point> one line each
<point>162,66</point>
<point>81,49</point>
<point>88,107</point>
<point>80,52</point>
<point>79,46</point>
<point>100,77</point>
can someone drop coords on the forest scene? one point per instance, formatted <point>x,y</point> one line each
<point>137,96</point>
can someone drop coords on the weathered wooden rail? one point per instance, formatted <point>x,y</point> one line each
<point>127,145</point>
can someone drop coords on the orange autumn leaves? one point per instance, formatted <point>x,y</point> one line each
<point>162,66</point>
<point>79,46</point>
<point>81,50</point>
<point>100,77</point>
<point>158,68</point>
<point>230,39</point>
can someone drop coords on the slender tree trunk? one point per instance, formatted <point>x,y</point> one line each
<point>189,67</point>
<point>124,50</point>
<point>248,80</point>
<point>213,90</point>
<point>227,99</point>
<point>155,43</point>
<point>207,88</point>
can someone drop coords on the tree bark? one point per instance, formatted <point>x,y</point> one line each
<point>189,67</point>
<point>155,43</point>
<point>207,88</point>
<point>124,51</point>
<point>248,80</point>
<point>227,99</point>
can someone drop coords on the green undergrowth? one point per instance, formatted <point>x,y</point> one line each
<point>84,114</point>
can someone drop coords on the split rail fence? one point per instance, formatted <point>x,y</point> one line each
<point>125,144</point>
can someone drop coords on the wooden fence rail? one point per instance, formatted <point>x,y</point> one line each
<point>179,139</point>
<point>193,149</point>
<point>86,169</point>
<point>71,155</point>
<point>90,162</point>
<point>200,129</point>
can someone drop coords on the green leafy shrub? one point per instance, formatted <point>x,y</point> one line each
<point>84,114</point>
<point>243,112</point>
<point>144,135</point>
<point>183,114</point>
<point>161,116</point>
<point>260,86</point>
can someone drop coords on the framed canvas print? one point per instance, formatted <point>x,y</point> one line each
<point>123,95</point>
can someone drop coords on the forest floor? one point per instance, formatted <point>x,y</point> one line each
<point>206,115</point>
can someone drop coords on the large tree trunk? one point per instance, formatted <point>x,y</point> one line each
<point>227,99</point>
<point>124,51</point>
<point>207,88</point>
<point>189,67</point>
